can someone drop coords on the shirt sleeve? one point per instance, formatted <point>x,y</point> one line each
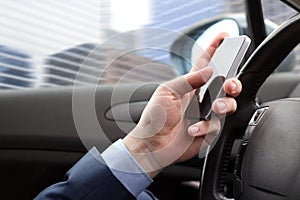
<point>91,179</point>
<point>88,179</point>
<point>125,168</point>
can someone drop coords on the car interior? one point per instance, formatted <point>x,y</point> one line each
<point>256,156</point>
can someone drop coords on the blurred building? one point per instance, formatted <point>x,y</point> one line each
<point>176,15</point>
<point>61,68</point>
<point>16,69</point>
<point>101,65</point>
<point>91,64</point>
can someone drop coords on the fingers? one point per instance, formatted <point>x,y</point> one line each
<point>203,128</point>
<point>189,82</point>
<point>215,43</point>
<point>198,129</point>
<point>227,105</point>
<point>199,78</point>
<point>206,56</point>
<point>221,107</point>
<point>232,87</point>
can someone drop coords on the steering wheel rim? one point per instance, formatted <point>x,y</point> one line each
<point>252,76</point>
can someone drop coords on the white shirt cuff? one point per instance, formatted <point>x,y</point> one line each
<point>125,168</point>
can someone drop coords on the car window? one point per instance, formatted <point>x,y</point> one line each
<point>46,43</point>
<point>278,12</point>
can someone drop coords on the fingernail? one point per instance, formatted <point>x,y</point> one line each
<point>221,106</point>
<point>193,130</point>
<point>233,86</point>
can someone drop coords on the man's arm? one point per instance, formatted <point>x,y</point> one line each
<point>90,179</point>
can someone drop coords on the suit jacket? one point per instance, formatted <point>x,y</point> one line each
<point>90,179</point>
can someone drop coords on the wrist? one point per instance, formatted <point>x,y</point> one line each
<point>142,151</point>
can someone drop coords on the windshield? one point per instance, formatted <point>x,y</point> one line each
<point>44,42</point>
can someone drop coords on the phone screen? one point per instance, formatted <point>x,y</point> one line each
<point>227,58</point>
<point>225,62</point>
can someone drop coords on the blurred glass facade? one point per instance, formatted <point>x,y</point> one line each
<point>15,69</point>
<point>45,43</point>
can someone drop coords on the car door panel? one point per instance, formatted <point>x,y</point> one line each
<point>39,141</point>
<point>26,172</point>
<point>38,138</point>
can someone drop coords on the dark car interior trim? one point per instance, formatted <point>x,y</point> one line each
<point>256,24</point>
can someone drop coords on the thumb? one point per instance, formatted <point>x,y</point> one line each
<point>190,81</point>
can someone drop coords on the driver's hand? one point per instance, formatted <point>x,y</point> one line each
<point>163,135</point>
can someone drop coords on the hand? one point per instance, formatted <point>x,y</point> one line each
<point>164,135</point>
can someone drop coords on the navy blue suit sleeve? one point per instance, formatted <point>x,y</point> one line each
<point>89,179</point>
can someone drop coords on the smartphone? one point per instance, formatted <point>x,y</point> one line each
<point>225,63</point>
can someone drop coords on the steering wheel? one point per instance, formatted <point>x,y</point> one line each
<point>268,163</point>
